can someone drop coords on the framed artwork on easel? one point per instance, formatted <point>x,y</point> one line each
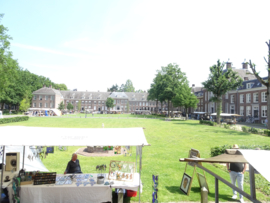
<point>186,184</point>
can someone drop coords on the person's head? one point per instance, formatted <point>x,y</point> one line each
<point>74,157</point>
<point>235,146</point>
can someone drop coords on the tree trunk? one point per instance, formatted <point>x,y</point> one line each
<point>218,110</point>
<point>172,110</point>
<point>156,106</point>
<point>169,109</point>
<point>186,113</point>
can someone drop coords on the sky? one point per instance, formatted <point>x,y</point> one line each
<point>91,45</point>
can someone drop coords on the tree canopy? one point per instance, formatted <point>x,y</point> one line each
<point>109,102</point>
<point>221,81</point>
<point>127,87</point>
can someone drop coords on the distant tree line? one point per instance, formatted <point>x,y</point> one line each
<point>127,87</point>
<point>16,83</point>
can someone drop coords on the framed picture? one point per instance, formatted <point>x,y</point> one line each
<point>202,181</point>
<point>186,184</point>
<point>193,153</point>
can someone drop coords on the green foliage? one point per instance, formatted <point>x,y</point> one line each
<point>61,106</point>
<point>221,81</point>
<point>60,86</point>
<point>14,119</point>
<point>127,87</point>
<point>215,151</point>
<point>227,126</point>
<point>25,104</point>
<point>266,132</point>
<point>245,129</point>
<point>109,102</point>
<point>127,106</point>
<point>105,148</point>
<point>79,105</point>
<point>211,123</point>
<point>69,106</point>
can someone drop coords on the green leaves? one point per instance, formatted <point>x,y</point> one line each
<point>61,106</point>
<point>109,102</point>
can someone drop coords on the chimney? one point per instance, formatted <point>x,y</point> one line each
<point>245,78</point>
<point>245,65</point>
<point>193,85</point>
<point>228,65</point>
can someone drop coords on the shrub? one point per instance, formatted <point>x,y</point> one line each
<point>266,132</point>
<point>215,151</point>
<point>208,123</point>
<point>245,129</point>
<point>227,126</point>
<point>14,119</point>
<point>105,148</point>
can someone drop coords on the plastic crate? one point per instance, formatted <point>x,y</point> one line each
<point>131,193</point>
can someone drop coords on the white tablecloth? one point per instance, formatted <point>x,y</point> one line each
<point>72,193</point>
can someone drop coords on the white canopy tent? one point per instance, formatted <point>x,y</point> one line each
<point>225,114</point>
<point>30,165</point>
<point>41,136</point>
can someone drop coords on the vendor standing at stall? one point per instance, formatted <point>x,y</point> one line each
<point>73,165</point>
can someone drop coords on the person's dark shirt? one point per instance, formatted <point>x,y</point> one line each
<point>73,167</point>
<point>237,167</point>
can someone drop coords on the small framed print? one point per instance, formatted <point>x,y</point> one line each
<point>202,181</point>
<point>192,154</point>
<point>186,184</point>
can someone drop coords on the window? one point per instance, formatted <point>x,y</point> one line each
<point>34,104</point>
<point>143,104</point>
<point>264,111</point>
<point>95,102</point>
<point>264,97</point>
<point>241,110</point>
<point>40,104</point>
<point>94,107</point>
<point>232,109</point>
<point>34,97</point>
<point>226,96</point>
<point>40,97</point>
<point>249,85</point>
<point>46,97</point>
<point>241,98</point>
<point>232,98</point>
<point>248,98</point>
<point>45,105</point>
<point>248,109</point>
<point>140,103</point>
<point>227,108</point>
<point>255,97</point>
<point>52,97</point>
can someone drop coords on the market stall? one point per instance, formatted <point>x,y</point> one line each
<point>226,118</point>
<point>255,159</point>
<point>35,136</point>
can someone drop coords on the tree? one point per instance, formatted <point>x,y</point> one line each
<point>265,83</point>
<point>139,91</point>
<point>172,78</point>
<point>129,86</point>
<point>109,102</point>
<point>127,106</point>
<point>69,106</point>
<point>79,105</point>
<point>185,98</point>
<point>114,88</point>
<point>25,104</point>
<point>61,106</point>
<point>219,82</point>
<point>60,86</point>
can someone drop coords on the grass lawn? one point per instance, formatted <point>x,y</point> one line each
<point>169,142</point>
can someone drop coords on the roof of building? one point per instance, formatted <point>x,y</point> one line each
<point>85,95</point>
<point>243,73</point>
<point>47,90</point>
<point>255,84</point>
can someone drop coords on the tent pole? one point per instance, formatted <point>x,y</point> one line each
<point>23,158</point>
<point>136,157</point>
<point>252,182</point>
<point>216,191</point>
<point>2,173</point>
<point>140,169</point>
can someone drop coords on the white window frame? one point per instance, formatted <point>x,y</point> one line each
<point>40,105</point>
<point>248,98</point>
<point>232,107</point>
<point>34,104</point>
<point>256,97</point>
<point>248,110</point>
<point>241,98</point>
<point>232,99</point>
<point>264,111</point>
<point>34,97</point>
<point>226,96</point>
<point>241,110</point>
<point>248,85</point>
<point>40,97</point>
<point>264,97</point>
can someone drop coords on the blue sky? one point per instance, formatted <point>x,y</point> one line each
<point>91,45</point>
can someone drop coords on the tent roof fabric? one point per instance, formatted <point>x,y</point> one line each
<point>259,160</point>
<point>41,136</point>
<point>223,158</point>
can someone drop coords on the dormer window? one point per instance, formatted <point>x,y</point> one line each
<point>249,85</point>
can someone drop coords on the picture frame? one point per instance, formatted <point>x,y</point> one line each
<point>202,181</point>
<point>186,184</point>
<point>192,153</point>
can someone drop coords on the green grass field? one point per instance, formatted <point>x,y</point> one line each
<point>169,142</point>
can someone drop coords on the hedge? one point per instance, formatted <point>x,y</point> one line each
<point>14,119</point>
<point>211,123</point>
<point>215,151</point>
